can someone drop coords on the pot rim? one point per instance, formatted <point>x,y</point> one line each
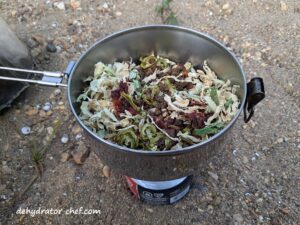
<point>168,152</point>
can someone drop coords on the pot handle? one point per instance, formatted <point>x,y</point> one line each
<point>255,93</point>
<point>48,79</point>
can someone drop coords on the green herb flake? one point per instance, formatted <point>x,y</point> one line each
<point>130,101</point>
<point>127,138</point>
<point>214,95</point>
<point>213,128</point>
<point>228,103</point>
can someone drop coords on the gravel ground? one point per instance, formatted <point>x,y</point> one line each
<point>255,182</point>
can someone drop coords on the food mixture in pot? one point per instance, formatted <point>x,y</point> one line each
<point>156,104</point>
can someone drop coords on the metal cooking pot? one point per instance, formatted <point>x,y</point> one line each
<point>181,45</point>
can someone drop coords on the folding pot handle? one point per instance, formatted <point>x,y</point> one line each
<point>255,93</point>
<point>48,79</point>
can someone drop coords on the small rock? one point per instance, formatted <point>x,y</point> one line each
<point>210,209</point>
<point>51,47</point>
<point>118,13</point>
<point>57,92</point>
<point>42,113</point>
<point>78,137</point>
<point>285,210</point>
<point>259,200</point>
<point>105,5</point>
<point>226,6</point>
<point>60,5</point>
<point>49,113</point>
<point>245,159</point>
<point>65,157</point>
<point>106,171</point>
<point>13,13</point>
<point>47,106</point>
<point>6,169</point>
<point>283,6</point>
<point>149,210</point>
<point>25,130</point>
<point>298,133</point>
<point>75,5</point>
<point>35,52</point>
<point>238,218</point>
<point>32,111</point>
<point>254,1</point>
<point>81,154</point>
<point>3,197</point>
<point>72,50</point>
<point>279,140</point>
<point>235,152</point>
<point>2,187</point>
<point>58,49</point>
<point>64,139</point>
<point>39,39</point>
<point>76,129</point>
<point>50,130</point>
<point>213,175</point>
<point>32,43</point>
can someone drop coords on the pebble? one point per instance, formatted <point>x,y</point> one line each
<point>238,218</point>
<point>78,137</point>
<point>60,5</point>
<point>65,157</point>
<point>226,6</point>
<point>213,175</point>
<point>51,47</point>
<point>25,130</point>
<point>64,139</point>
<point>259,200</point>
<point>106,171</point>
<point>76,129</point>
<point>283,6</point>
<point>13,13</point>
<point>50,130</point>
<point>47,106</point>
<point>32,111</point>
<point>149,210</point>
<point>42,113</point>
<point>105,5</point>
<point>40,39</point>
<point>32,43</point>
<point>279,140</point>
<point>49,113</point>
<point>75,5</point>
<point>6,169</point>
<point>118,13</point>
<point>298,133</point>
<point>285,210</point>
<point>35,52</point>
<point>245,159</point>
<point>57,92</point>
<point>81,154</point>
<point>210,209</point>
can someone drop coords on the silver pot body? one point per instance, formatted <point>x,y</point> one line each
<point>180,45</point>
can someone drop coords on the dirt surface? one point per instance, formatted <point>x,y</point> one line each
<point>255,182</point>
